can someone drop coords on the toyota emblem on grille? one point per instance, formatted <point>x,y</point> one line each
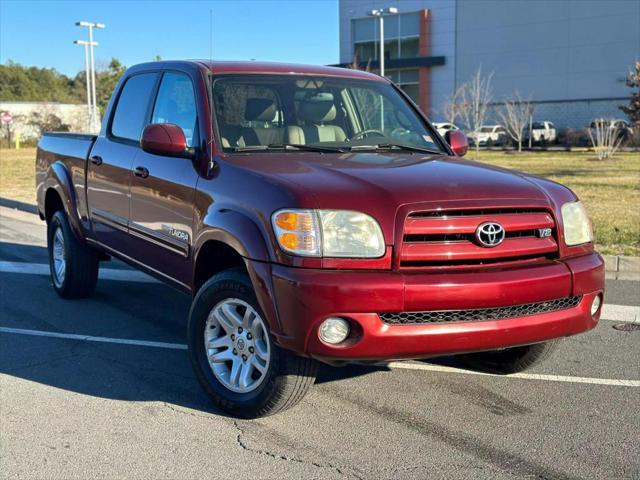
<point>490,234</point>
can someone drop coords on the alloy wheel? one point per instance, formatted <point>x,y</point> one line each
<point>59,257</point>
<point>237,345</point>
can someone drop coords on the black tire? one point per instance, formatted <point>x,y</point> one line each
<point>510,360</point>
<point>81,261</point>
<point>288,376</point>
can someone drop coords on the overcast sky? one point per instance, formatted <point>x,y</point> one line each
<point>41,33</point>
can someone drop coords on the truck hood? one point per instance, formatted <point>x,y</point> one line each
<point>382,183</point>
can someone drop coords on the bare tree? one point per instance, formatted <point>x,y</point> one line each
<point>515,115</point>
<point>452,105</point>
<point>605,137</point>
<point>476,96</point>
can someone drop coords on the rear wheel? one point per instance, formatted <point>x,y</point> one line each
<point>73,266</point>
<point>510,360</point>
<point>233,356</point>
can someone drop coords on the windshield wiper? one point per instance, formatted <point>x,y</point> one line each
<point>289,146</point>
<point>395,146</point>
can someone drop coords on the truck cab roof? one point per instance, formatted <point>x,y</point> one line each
<point>254,67</point>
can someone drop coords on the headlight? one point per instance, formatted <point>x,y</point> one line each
<point>577,226</point>
<point>328,233</point>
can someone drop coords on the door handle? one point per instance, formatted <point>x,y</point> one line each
<point>141,172</point>
<point>96,160</point>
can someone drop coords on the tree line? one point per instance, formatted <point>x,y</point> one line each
<point>19,83</point>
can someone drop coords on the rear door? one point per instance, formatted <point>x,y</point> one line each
<point>163,187</point>
<point>111,159</point>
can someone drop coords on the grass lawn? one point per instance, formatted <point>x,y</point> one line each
<point>609,189</point>
<point>17,174</point>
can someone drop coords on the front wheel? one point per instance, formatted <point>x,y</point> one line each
<point>233,356</point>
<point>510,360</point>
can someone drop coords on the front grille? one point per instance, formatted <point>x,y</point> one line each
<point>475,212</point>
<point>481,314</point>
<point>447,237</point>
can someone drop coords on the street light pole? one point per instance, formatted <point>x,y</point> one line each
<point>382,45</point>
<point>380,13</point>
<point>93,78</point>
<point>91,26</point>
<point>88,82</point>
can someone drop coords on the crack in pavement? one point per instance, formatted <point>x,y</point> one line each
<point>277,456</point>
<point>184,411</point>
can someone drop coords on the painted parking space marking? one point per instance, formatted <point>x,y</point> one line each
<point>90,338</point>
<point>524,376</point>
<point>104,274</point>
<point>391,365</point>
<point>621,313</point>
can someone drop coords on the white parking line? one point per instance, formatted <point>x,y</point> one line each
<point>525,376</point>
<point>89,338</point>
<point>105,273</point>
<point>392,365</point>
<point>621,313</point>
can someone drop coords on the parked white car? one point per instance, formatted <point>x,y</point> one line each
<point>543,132</point>
<point>445,127</point>
<point>489,135</point>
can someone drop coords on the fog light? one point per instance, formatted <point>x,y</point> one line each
<point>595,306</point>
<point>334,330</point>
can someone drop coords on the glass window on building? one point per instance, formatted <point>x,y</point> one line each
<point>401,37</point>
<point>364,29</point>
<point>409,47</point>
<point>407,80</point>
<point>366,52</point>
<point>413,91</point>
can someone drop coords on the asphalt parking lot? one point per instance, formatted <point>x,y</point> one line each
<point>102,388</point>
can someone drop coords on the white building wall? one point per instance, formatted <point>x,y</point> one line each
<point>569,56</point>
<point>555,52</point>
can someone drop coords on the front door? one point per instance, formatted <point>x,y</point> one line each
<point>109,167</point>
<point>163,188</point>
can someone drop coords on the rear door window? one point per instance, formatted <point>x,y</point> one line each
<point>130,116</point>
<point>176,103</point>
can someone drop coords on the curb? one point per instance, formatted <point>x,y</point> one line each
<point>621,267</point>
<point>17,205</point>
<point>613,263</point>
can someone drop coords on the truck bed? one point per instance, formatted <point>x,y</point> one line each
<point>63,155</point>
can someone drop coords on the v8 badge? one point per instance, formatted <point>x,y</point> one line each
<point>544,232</point>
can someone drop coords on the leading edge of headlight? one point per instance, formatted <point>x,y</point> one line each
<point>328,233</point>
<point>577,226</point>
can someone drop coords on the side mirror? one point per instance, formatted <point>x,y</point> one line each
<point>164,139</point>
<point>458,142</point>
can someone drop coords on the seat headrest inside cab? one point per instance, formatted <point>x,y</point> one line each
<point>319,108</point>
<point>260,109</point>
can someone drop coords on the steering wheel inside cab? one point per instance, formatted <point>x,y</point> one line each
<point>366,133</point>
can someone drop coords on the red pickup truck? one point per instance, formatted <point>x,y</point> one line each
<point>315,215</point>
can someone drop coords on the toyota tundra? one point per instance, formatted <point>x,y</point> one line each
<point>315,215</point>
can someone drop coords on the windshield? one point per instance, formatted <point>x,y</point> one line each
<point>486,129</point>
<point>255,112</point>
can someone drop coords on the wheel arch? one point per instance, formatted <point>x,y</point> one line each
<point>236,241</point>
<point>59,193</point>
